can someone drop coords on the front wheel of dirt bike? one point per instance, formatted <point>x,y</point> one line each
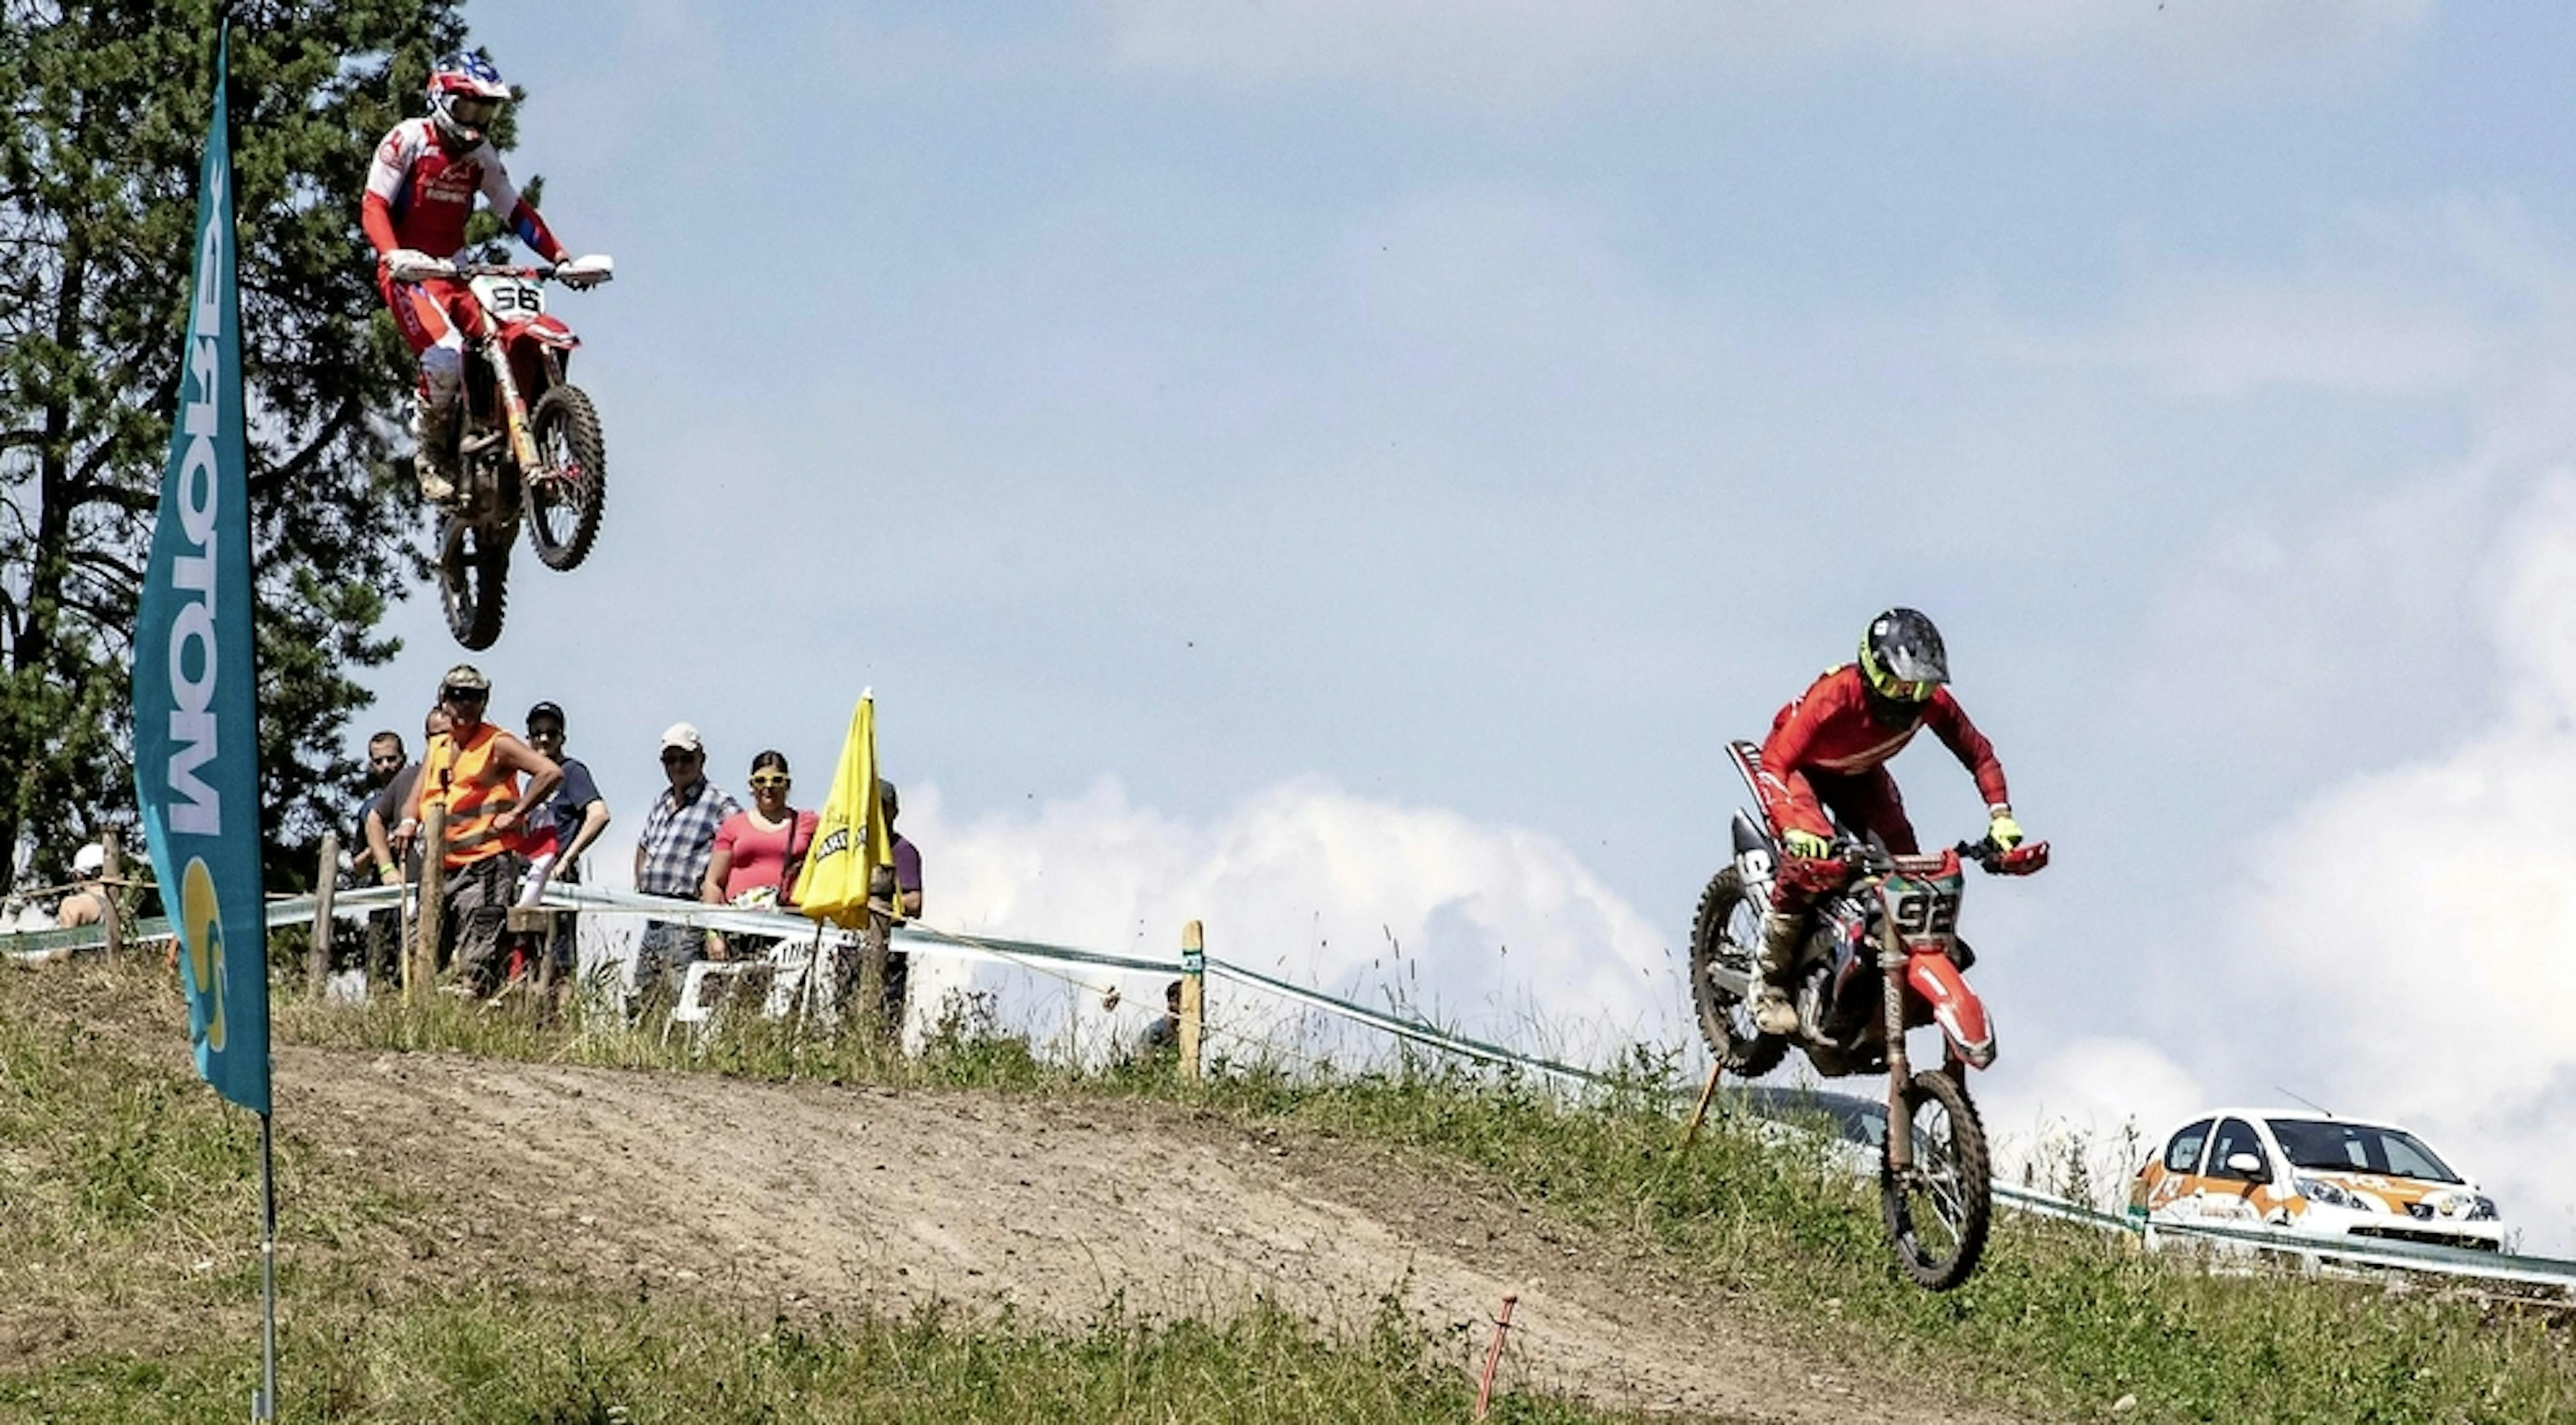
<point>473,575</point>
<point>1939,1208</point>
<point>569,493</point>
<point>1727,934</point>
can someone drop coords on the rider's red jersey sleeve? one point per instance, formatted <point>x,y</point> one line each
<point>376,218</point>
<point>1949,722</point>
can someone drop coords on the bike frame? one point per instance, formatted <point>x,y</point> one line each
<point>514,338</point>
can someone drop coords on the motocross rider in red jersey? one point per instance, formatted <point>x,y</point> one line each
<point>1829,750</point>
<point>420,190</point>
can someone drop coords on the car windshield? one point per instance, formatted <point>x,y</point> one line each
<point>2358,1148</point>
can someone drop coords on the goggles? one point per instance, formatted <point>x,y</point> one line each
<point>472,111</point>
<point>1901,690</point>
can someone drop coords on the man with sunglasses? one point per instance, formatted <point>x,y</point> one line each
<point>474,770</point>
<point>420,191</point>
<point>392,772</point>
<point>671,856</point>
<point>579,813</point>
<point>1828,752</point>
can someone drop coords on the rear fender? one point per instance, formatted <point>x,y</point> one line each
<point>1955,1007</point>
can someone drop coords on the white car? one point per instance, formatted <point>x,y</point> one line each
<point>2313,1173</point>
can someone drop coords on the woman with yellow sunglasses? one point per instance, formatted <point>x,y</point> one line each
<point>758,850</point>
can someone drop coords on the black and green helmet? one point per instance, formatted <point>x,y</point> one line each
<point>1901,656</point>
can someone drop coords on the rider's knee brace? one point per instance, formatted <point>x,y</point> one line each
<point>442,374</point>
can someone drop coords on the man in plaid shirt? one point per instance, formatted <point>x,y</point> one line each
<point>671,858</point>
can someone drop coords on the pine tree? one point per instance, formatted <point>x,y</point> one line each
<point>105,108</point>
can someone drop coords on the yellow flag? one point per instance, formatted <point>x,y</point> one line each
<point>851,837</point>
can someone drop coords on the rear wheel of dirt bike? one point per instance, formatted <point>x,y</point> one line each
<point>1938,1210</point>
<point>567,496</point>
<point>473,575</point>
<point>1727,934</point>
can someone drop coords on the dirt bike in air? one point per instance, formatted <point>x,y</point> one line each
<point>527,449</point>
<point>1882,955</point>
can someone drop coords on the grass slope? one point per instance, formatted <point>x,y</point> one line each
<point>128,1196</point>
<point>2059,1321</point>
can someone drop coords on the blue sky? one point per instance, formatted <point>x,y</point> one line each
<point>1356,464</point>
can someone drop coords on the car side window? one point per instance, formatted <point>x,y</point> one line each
<point>2183,1153</point>
<point>2234,1136</point>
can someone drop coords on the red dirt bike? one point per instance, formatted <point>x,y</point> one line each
<point>529,446</point>
<point>1882,955</point>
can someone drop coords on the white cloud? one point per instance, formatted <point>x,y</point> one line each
<point>2314,590</point>
<point>2103,1099</point>
<point>1495,930</point>
<point>1510,55</point>
<point>2401,941</point>
<point>2452,299</point>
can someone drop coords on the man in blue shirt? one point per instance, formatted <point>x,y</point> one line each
<point>560,828</point>
<point>580,813</point>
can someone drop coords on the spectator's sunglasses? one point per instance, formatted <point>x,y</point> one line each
<point>769,779</point>
<point>464,697</point>
<point>674,756</point>
<point>544,730</point>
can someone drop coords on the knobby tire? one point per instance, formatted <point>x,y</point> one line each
<point>1933,1265</point>
<point>565,421</point>
<point>1744,1051</point>
<point>473,583</point>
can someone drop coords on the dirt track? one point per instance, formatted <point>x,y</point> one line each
<point>817,1197</point>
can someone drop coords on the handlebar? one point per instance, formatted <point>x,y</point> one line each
<point>538,271</point>
<point>526,272</point>
<point>2020,860</point>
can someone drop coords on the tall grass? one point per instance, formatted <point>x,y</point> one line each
<point>492,1357</point>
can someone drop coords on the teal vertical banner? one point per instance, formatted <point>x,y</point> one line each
<point>196,730</point>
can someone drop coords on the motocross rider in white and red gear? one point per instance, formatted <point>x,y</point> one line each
<point>420,191</point>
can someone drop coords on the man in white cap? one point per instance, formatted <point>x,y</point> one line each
<point>671,855</point>
<point>87,904</point>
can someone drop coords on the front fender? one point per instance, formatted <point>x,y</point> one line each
<point>1955,1007</point>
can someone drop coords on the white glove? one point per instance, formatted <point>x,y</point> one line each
<point>406,264</point>
<point>587,271</point>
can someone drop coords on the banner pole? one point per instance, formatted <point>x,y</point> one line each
<point>264,1405</point>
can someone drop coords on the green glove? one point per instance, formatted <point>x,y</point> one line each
<point>1806,845</point>
<point>2001,829</point>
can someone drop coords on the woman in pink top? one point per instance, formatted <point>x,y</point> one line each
<point>758,852</point>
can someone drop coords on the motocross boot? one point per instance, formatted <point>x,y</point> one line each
<point>1772,1011</point>
<point>433,431</point>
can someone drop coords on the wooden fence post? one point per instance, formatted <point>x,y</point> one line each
<point>418,977</point>
<point>1193,996</point>
<point>317,955</point>
<point>111,871</point>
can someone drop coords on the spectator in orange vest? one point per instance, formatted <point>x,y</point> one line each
<point>474,770</point>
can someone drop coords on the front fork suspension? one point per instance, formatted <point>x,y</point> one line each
<point>1892,961</point>
<point>514,408</point>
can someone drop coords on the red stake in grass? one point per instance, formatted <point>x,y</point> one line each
<point>1494,1357</point>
